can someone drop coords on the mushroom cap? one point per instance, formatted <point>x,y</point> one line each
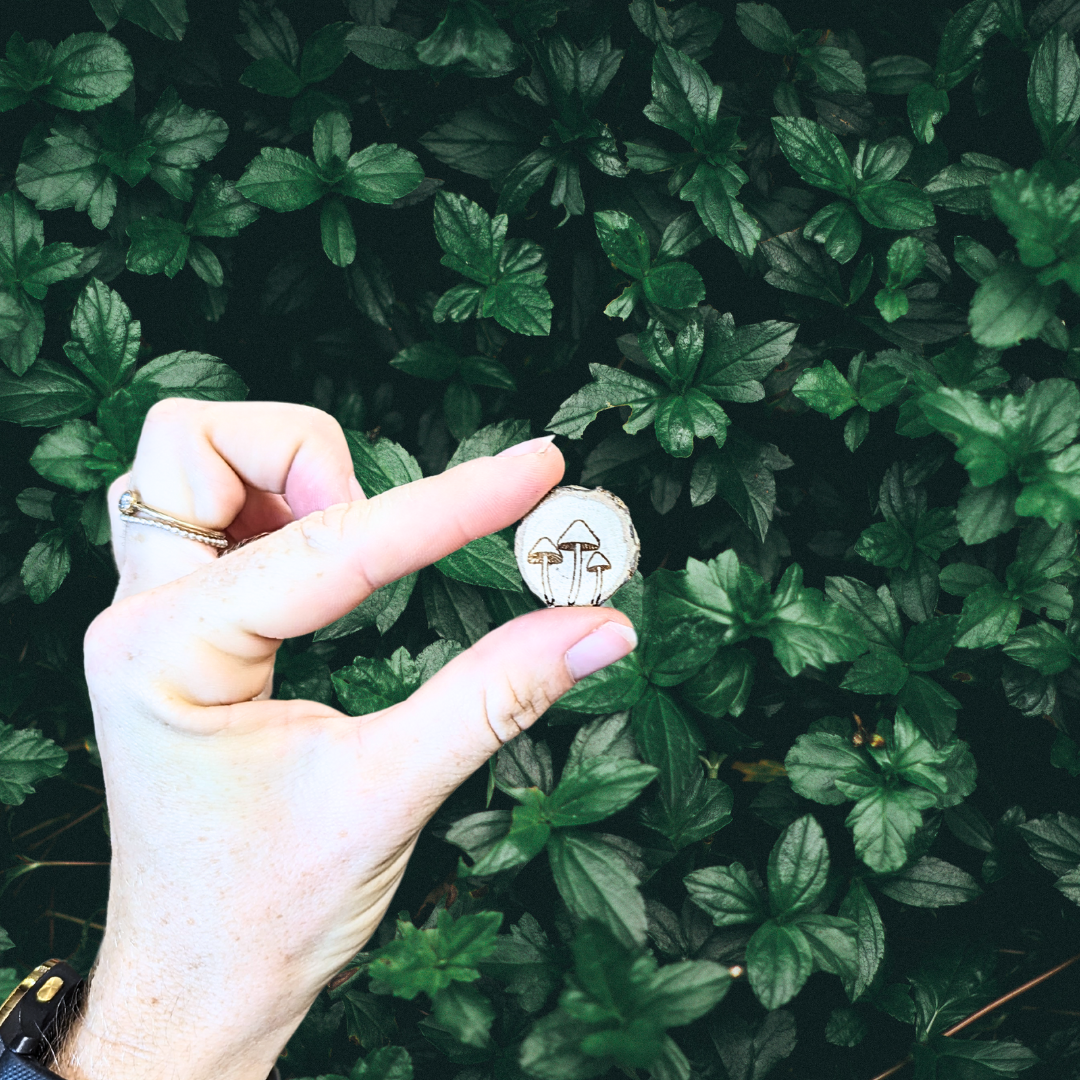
<point>598,562</point>
<point>577,532</point>
<point>544,550</point>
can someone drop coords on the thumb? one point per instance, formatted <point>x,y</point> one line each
<point>493,691</point>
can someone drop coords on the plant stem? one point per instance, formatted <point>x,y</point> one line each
<point>72,918</point>
<point>52,836</point>
<point>988,1009</point>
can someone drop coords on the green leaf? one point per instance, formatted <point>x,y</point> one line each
<point>964,187</point>
<point>999,1057</point>
<point>684,98</point>
<point>778,961</point>
<point>859,906</point>
<point>927,106</point>
<point>762,25</point>
<point>712,191</point>
<point>836,70</point>
<point>597,789</point>
<point>825,390</point>
<point>158,246</point>
<point>382,464</point>
<point>879,671</point>
<point>965,34</point>
<point>816,154</point>
<point>611,389</point>
<point>624,242</point>
<point>26,757</point>
<point>897,74</point>
<point>512,271</point>
<point>166,19</point>
<point>727,894</point>
<point>46,395</point>
<point>469,35</point>
<point>430,960</point>
<point>1010,306</point>
<point>798,867</point>
<point>723,685</point>
<point>1042,647</point>
<point>44,569</point>
<point>323,52</point>
<point>87,71</point>
<point>895,205</point>
<point>281,179</point>
<point>1053,88</point>
<point>338,237</point>
<point>528,835</point>
<point>815,763</point>
<point>884,823</point>
<point>800,267</point>
<point>752,1053</point>
<point>595,883</point>
<point>989,618</point>
<point>930,883</point>
<point>63,170</point>
<point>65,456</point>
<point>183,138</point>
<point>807,630</point>
<point>837,226</point>
<point>105,338</point>
<point>380,173</point>
<point>668,739</point>
<point>382,47</point>
<point>385,1063</point>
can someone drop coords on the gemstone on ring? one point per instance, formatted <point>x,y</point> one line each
<point>125,502</point>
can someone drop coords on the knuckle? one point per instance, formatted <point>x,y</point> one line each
<point>171,408</point>
<point>325,531</point>
<point>509,710</point>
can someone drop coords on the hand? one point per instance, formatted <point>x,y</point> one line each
<point>257,843</point>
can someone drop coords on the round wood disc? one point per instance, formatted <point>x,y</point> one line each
<point>577,546</point>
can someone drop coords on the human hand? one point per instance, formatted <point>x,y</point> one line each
<point>257,843</point>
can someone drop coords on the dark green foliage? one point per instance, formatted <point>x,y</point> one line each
<point>799,283</point>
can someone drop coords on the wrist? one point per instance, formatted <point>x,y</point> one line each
<point>137,1024</point>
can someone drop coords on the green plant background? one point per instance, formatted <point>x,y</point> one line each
<point>798,285</point>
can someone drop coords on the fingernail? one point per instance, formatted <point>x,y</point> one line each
<point>533,446</point>
<point>603,646</point>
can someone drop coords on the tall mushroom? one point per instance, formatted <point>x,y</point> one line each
<point>577,538</point>
<point>598,563</point>
<point>545,552</point>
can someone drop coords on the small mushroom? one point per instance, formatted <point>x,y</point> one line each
<point>598,563</point>
<point>577,538</point>
<point>545,552</point>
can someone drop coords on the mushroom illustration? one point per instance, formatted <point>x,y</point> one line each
<point>545,552</point>
<point>577,538</point>
<point>598,563</point>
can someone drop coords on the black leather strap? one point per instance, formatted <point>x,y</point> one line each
<point>13,1067</point>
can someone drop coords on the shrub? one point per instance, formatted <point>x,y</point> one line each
<point>799,286</point>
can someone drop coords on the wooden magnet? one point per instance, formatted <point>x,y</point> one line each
<point>577,546</point>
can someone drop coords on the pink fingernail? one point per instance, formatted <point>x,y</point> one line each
<point>533,446</point>
<point>603,646</point>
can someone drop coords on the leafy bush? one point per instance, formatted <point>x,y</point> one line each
<point>800,286</point>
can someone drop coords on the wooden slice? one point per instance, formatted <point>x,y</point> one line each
<point>577,546</point>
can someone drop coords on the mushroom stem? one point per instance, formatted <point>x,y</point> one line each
<point>575,582</point>
<point>596,595</point>
<point>545,582</point>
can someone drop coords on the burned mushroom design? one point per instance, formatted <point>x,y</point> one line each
<point>577,538</point>
<point>545,552</point>
<point>598,563</point>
